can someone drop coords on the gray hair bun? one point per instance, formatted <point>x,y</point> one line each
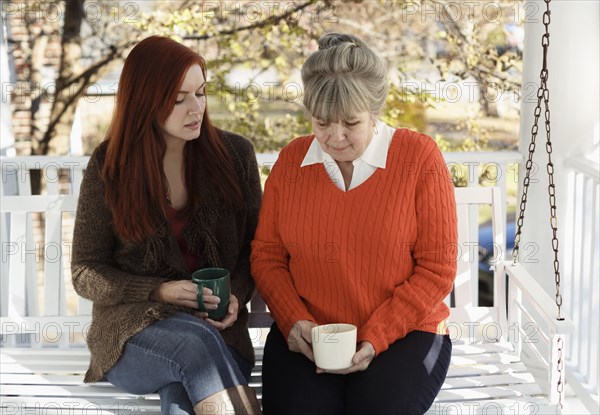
<point>334,39</point>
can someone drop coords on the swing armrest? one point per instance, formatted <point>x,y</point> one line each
<point>543,303</point>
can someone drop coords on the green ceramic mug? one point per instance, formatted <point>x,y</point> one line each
<point>218,280</point>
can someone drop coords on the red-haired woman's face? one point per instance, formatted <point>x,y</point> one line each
<point>186,118</point>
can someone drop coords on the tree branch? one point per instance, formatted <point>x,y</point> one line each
<point>266,22</point>
<point>83,80</point>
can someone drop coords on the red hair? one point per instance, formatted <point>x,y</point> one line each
<point>133,168</point>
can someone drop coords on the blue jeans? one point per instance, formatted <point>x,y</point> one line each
<point>183,358</point>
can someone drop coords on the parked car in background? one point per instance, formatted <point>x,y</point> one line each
<point>487,258</point>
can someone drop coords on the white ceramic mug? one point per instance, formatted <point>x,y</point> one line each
<point>334,345</point>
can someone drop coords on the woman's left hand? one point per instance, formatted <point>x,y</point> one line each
<point>360,361</point>
<point>230,317</point>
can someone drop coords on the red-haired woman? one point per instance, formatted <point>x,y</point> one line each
<point>165,194</point>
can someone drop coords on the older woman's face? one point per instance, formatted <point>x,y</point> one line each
<point>345,140</point>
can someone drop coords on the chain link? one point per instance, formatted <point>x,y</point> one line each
<point>559,367</point>
<point>543,95</point>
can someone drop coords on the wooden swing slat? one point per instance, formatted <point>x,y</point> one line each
<point>488,380</point>
<point>483,369</point>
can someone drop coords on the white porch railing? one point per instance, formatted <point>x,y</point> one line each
<point>581,270</point>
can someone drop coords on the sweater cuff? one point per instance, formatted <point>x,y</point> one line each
<point>286,326</point>
<point>376,338</point>
<point>139,291</point>
<point>379,345</point>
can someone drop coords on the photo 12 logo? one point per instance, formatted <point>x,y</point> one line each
<point>127,12</point>
<point>256,11</point>
<point>468,11</point>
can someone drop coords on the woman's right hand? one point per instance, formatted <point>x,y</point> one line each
<point>300,339</point>
<point>183,293</point>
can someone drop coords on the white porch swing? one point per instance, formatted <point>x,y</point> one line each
<point>494,347</point>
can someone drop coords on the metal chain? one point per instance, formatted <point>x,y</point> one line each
<point>559,367</point>
<point>543,94</point>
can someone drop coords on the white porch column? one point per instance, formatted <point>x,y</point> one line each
<point>574,105</point>
<point>7,141</point>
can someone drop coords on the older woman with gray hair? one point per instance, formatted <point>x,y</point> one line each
<point>357,226</point>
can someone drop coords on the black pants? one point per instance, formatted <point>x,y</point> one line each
<point>405,379</point>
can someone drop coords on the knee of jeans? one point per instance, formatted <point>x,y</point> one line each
<point>203,341</point>
<point>207,364</point>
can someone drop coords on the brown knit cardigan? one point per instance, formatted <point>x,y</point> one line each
<point>118,275</point>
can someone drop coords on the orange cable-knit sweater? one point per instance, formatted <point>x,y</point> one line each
<point>381,256</point>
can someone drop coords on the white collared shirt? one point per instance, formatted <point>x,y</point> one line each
<point>374,156</point>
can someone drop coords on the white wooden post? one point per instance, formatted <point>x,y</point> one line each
<point>7,139</point>
<point>514,316</point>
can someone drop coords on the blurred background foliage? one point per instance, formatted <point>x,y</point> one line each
<point>254,51</point>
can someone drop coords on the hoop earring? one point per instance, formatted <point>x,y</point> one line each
<point>375,131</point>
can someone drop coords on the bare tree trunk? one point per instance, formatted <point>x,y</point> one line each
<point>37,44</point>
<point>56,138</point>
